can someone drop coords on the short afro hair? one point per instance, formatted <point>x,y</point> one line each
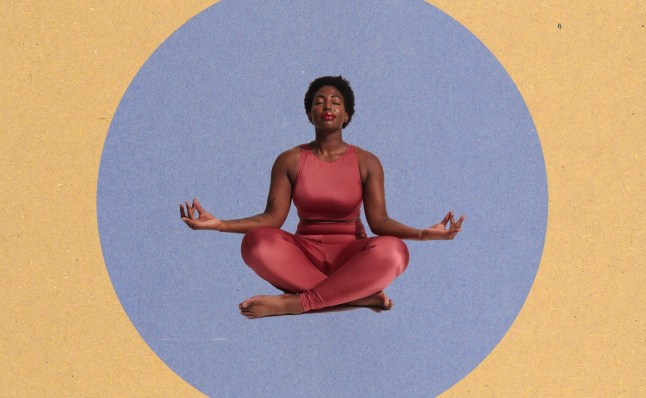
<point>337,82</point>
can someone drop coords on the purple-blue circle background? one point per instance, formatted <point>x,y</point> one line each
<point>206,116</point>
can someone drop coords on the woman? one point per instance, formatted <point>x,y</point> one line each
<point>329,260</point>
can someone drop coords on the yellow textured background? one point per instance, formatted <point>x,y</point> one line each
<point>65,67</point>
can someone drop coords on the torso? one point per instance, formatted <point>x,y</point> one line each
<point>328,194</point>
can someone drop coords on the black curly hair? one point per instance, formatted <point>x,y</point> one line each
<point>337,82</point>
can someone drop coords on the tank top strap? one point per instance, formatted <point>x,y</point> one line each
<point>305,152</point>
<point>351,151</point>
<point>355,158</point>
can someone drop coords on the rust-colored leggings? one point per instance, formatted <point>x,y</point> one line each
<point>325,270</point>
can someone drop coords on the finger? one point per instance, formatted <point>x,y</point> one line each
<point>181,211</point>
<point>458,225</point>
<point>446,219</point>
<point>188,209</point>
<point>198,206</point>
<point>451,219</point>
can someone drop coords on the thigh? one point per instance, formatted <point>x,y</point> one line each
<point>380,251</point>
<point>286,261</point>
<point>360,268</point>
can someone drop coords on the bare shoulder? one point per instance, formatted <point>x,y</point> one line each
<point>366,158</point>
<point>289,155</point>
<point>287,162</point>
<point>369,164</point>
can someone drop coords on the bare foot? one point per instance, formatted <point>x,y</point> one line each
<point>378,300</point>
<point>260,306</point>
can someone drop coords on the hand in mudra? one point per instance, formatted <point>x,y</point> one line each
<point>440,231</point>
<point>204,219</point>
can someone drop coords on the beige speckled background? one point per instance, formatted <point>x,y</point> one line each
<point>65,66</point>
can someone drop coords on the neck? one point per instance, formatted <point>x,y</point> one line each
<point>329,142</point>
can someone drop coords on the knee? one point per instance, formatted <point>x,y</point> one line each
<point>256,243</point>
<point>394,251</point>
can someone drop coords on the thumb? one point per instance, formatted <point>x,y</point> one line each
<point>198,206</point>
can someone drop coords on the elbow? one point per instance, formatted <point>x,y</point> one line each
<point>272,220</point>
<point>376,228</point>
<point>275,224</point>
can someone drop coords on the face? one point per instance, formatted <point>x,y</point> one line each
<point>328,109</point>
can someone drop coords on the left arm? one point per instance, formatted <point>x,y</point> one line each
<point>374,200</point>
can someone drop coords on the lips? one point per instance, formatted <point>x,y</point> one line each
<point>328,116</point>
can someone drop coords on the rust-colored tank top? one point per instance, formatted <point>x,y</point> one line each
<point>328,195</point>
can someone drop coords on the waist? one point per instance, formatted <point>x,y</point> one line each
<point>328,221</point>
<point>352,226</point>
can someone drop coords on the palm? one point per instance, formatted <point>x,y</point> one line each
<point>204,220</point>
<point>445,229</point>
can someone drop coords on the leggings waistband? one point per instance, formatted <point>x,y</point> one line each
<point>328,221</point>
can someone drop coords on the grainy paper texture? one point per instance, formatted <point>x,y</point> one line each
<point>580,69</point>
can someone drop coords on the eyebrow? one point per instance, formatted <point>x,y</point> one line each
<point>333,96</point>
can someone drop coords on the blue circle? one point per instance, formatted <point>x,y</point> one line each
<point>207,115</point>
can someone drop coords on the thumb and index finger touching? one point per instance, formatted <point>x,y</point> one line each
<point>446,218</point>
<point>198,206</point>
<point>188,213</point>
<point>456,225</point>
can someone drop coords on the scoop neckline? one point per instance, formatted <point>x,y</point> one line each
<point>347,149</point>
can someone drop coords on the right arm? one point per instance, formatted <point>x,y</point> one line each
<point>374,200</point>
<point>278,201</point>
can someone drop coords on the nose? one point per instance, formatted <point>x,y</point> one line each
<point>327,104</point>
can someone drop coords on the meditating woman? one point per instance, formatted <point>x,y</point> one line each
<point>329,260</point>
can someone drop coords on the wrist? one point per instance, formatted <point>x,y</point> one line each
<point>220,227</point>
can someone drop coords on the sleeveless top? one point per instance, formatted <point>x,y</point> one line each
<point>328,195</point>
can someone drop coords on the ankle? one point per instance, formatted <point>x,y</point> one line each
<point>292,303</point>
